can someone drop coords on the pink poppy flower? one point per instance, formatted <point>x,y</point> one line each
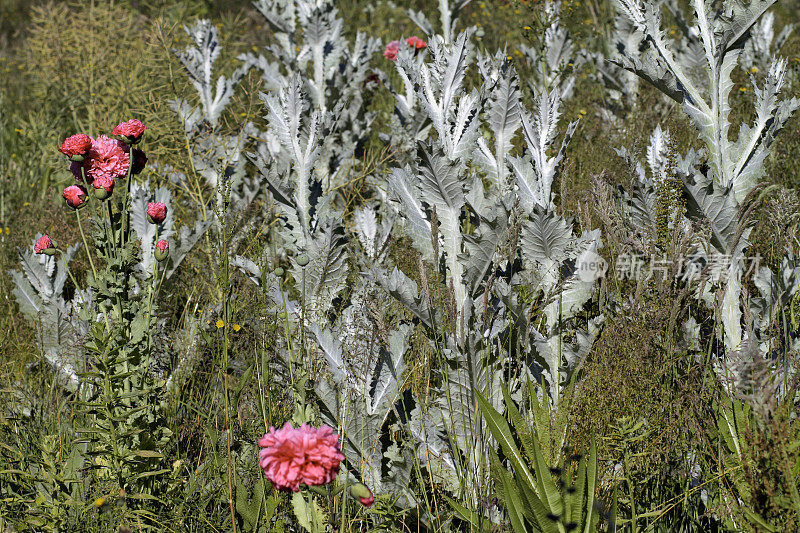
<point>75,195</point>
<point>44,245</point>
<point>108,158</point>
<point>76,145</point>
<point>391,50</point>
<point>156,212</point>
<point>306,455</point>
<point>416,43</point>
<point>131,130</point>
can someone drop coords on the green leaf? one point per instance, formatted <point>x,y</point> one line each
<point>471,517</point>
<point>513,504</point>
<point>149,453</point>
<point>502,433</point>
<point>591,488</point>
<point>309,514</point>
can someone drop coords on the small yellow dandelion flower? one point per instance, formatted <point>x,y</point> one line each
<point>526,27</point>
<point>582,112</point>
<point>220,323</point>
<point>509,58</point>
<point>236,327</point>
<point>18,130</point>
<point>754,70</point>
<point>569,64</point>
<point>8,230</point>
<point>743,89</point>
<point>26,204</point>
<point>99,502</point>
<point>255,48</point>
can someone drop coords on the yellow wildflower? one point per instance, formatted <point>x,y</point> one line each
<point>99,502</point>
<point>220,323</point>
<point>236,327</point>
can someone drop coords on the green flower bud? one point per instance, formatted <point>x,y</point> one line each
<point>302,260</point>
<point>101,194</point>
<point>279,271</point>
<point>361,492</point>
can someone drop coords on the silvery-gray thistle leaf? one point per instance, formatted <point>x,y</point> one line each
<point>553,64</point>
<point>199,63</point>
<point>449,11</point>
<point>39,291</point>
<point>706,98</point>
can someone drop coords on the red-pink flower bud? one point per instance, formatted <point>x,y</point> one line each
<point>391,50</point>
<point>362,493</point>
<point>130,131</point>
<point>76,146</point>
<point>75,195</point>
<point>103,187</point>
<point>44,245</point>
<point>416,43</point>
<point>156,212</point>
<point>162,250</point>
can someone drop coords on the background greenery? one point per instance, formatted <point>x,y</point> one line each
<point>75,66</point>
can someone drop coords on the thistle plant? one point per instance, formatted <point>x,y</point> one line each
<point>312,55</point>
<point>734,166</point>
<point>552,59</point>
<point>488,229</point>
